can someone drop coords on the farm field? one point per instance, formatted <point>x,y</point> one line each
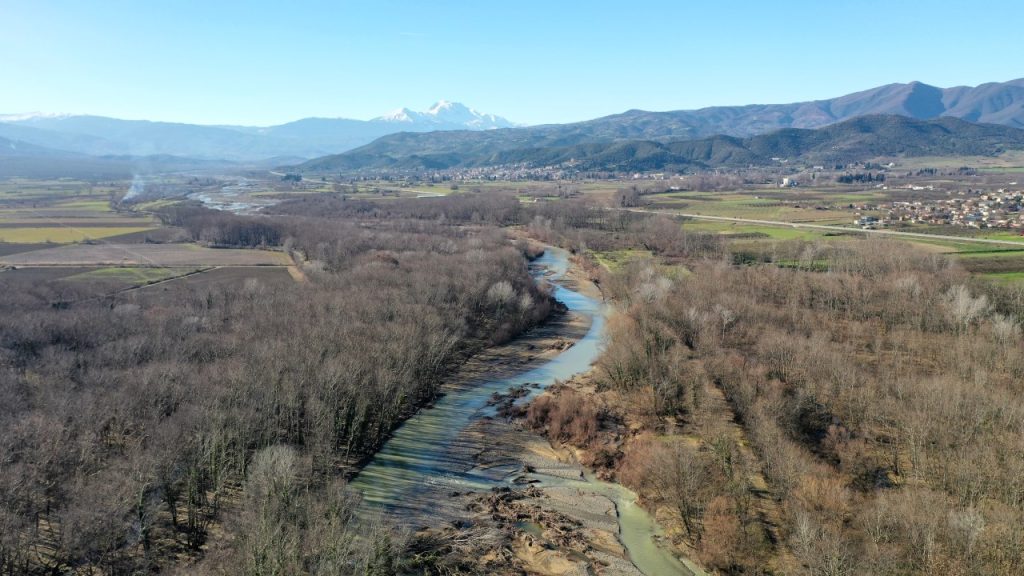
<point>66,241</point>
<point>798,207</point>
<point>26,277</point>
<point>75,283</point>
<point>740,230</point>
<point>156,255</point>
<point>64,211</point>
<point>9,248</point>
<point>1009,162</point>
<point>131,276</point>
<point>232,278</point>
<point>64,234</point>
<point>1001,263</point>
<point>266,276</point>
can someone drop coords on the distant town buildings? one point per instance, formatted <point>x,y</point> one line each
<point>1000,209</point>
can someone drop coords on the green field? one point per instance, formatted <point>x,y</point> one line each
<point>1005,277</point>
<point>614,259</point>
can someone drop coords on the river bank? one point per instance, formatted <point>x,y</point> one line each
<point>561,519</point>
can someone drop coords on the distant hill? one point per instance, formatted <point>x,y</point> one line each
<point>306,138</point>
<point>859,139</point>
<point>21,159</point>
<point>992,103</point>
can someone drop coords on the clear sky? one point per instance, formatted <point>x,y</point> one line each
<point>265,62</point>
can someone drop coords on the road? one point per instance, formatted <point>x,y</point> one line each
<point>835,228</point>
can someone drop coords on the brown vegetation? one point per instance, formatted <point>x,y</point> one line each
<point>880,392</point>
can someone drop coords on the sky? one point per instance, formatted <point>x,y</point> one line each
<point>268,62</point>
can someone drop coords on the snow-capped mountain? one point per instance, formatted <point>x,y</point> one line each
<point>400,115</point>
<point>446,115</point>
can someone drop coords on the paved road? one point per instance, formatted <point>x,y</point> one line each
<point>1019,244</point>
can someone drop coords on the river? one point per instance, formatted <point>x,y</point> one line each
<point>431,456</point>
<point>241,197</point>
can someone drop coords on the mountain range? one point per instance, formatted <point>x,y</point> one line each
<point>452,135</point>
<point>858,139</point>
<point>995,103</point>
<point>306,138</point>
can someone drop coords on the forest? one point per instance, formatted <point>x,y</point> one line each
<point>149,431</point>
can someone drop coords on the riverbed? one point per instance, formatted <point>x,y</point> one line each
<point>440,453</point>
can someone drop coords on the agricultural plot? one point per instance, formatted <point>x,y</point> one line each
<point>25,277</point>
<point>63,234</point>
<point>136,276</point>
<point>746,231</point>
<point>798,207</point>
<point>234,278</point>
<point>7,248</point>
<point>63,212</point>
<point>56,284</point>
<point>153,255</point>
<point>76,283</point>
<point>1009,162</point>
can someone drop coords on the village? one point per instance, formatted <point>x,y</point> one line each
<point>1002,208</point>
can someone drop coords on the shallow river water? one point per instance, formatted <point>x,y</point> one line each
<point>428,457</point>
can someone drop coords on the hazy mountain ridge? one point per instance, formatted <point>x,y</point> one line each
<point>308,137</point>
<point>23,159</point>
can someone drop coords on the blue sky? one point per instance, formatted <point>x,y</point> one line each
<point>257,62</point>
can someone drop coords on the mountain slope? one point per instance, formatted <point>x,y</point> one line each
<point>859,139</point>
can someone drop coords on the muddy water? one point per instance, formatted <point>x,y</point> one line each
<point>429,458</point>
